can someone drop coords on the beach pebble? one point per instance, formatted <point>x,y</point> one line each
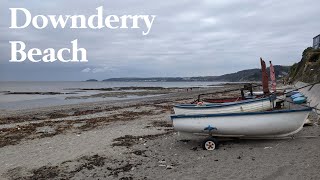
<point>169,167</point>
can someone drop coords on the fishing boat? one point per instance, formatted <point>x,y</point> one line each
<point>252,105</point>
<point>208,97</point>
<point>269,124</point>
<point>223,100</point>
<point>211,98</point>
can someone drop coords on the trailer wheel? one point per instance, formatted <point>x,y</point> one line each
<point>210,144</point>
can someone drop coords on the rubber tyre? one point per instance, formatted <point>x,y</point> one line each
<point>210,144</point>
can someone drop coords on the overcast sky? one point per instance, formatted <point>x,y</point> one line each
<point>188,38</point>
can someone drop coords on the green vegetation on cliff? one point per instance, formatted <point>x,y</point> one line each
<point>308,69</point>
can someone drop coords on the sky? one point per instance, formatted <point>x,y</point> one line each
<point>188,38</point>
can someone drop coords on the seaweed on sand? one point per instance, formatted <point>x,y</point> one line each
<point>129,140</point>
<point>62,171</point>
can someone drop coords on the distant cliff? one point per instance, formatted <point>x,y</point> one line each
<point>241,76</point>
<point>91,80</point>
<point>308,69</point>
<point>254,74</point>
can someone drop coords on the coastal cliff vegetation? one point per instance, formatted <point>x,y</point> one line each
<point>308,69</point>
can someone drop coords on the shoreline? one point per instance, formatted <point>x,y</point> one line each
<point>82,106</point>
<point>43,94</point>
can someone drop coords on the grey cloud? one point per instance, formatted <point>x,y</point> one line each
<point>188,38</point>
<point>86,70</point>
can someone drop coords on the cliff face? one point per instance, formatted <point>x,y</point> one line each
<point>308,69</point>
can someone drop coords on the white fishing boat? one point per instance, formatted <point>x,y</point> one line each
<point>253,105</point>
<point>270,124</point>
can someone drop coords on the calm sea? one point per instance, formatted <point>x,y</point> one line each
<point>31,101</point>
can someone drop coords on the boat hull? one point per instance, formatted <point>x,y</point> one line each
<point>223,100</point>
<point>243,106</point>
<point>256,124</point>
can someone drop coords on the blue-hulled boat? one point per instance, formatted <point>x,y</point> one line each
<point>277,123</point>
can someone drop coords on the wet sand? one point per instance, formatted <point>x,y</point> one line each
<point>134,139</point>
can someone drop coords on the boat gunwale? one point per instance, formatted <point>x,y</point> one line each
<point>189,106</point>
<point>238,114</point>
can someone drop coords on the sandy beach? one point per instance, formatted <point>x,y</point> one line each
<point>134,139</point>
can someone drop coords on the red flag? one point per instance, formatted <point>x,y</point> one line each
<point>265,81</point>
<point>273,78</point>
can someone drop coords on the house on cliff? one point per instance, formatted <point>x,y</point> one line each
<point>316,42</point>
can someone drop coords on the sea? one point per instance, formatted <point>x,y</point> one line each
<point>27,101</point>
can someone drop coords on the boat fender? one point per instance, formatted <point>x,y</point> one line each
<point>299,100</point>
